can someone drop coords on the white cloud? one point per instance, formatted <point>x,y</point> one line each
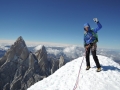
<point>53,51</point>
<point>6,42</point>
<point>72,51</point>
<point>34,43</point>
<point>47,44</point>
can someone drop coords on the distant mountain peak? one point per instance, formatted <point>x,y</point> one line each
<point>20,68</point>
<point>18,65</point>
<point>20,40</point>
<point>39,47</point>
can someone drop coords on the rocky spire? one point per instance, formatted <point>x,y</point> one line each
<point>43,61</point>
<point>20,68</point>
<point>15,64</point>
<point>41,53</point>
<point>61,61</point>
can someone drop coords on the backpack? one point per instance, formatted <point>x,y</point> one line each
<point>95,35</point>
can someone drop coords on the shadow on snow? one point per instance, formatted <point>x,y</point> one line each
<point>112,68</point>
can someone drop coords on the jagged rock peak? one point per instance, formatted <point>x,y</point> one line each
<point>40,47</point>
<point>43,48</point>
<point>41,55</point>
<point>20,40</point>
<point>61,61</point>
<point>61,58</point>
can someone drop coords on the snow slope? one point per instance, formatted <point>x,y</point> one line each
<point>65,77</point>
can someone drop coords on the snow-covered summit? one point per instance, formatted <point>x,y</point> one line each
<point>65,77</point>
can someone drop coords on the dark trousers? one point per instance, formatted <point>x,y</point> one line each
<point>94,57</point>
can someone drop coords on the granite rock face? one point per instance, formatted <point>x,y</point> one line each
<point>43,61</point>
<point>20,68</point>
<point>61,61</point>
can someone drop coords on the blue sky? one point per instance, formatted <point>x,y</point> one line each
<point>60,21</point>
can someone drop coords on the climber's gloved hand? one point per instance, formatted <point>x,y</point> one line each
<point>95,20</point>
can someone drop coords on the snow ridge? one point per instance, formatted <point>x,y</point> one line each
<point>65,77</point>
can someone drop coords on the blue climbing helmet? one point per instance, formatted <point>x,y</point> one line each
<point>87,25</point>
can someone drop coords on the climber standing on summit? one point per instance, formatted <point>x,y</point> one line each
<point>90,43</point>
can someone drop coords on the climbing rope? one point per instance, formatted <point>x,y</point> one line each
<point>77,80</point>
